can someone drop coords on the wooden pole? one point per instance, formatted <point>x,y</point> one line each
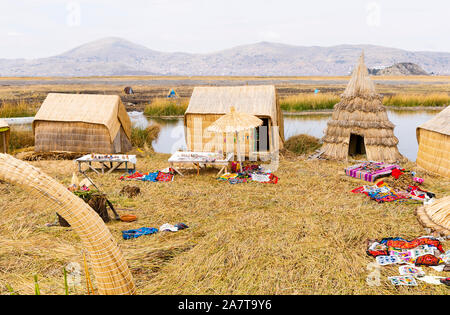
<point>238,151</point>
<point>5,149</point>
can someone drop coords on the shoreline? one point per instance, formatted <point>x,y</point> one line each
<point>285,113</point>
<point>329,111</point>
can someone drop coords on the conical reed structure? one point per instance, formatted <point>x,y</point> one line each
<point>108,264</point>
<point>360,124</point>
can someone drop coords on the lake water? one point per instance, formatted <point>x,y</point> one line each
<point>172,138</point>
<point>406,121</point>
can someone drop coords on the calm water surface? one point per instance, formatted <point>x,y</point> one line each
<point>172,131</point>
<point>172,139</point>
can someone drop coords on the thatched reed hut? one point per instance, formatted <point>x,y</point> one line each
<point>82,123</point>
<point>4,136</point>
<point>434,144</point>
<point>360,124</point>
<point>208,104</point>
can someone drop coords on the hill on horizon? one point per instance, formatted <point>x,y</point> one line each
<point>117,57</point>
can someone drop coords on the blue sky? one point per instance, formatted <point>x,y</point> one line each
<point>32,29</point>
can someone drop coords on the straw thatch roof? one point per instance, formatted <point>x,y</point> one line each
<point>361,113</point>
<point>106,110</point>
<point>256,100</point>
<point>360,83</point>
<point>3,124</point>
<point>439,123</point>
<point>235,122</point>
<point>436,216</point>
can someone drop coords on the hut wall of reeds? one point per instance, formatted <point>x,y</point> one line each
<point>434,144</point>
<point>4,136</point>
<point>82,123</point>
<point>108,263</point>
<point>208,104</point>
<point>360,124</point>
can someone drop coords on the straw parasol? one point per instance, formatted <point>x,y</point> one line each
<point>235,122</point>
<point>360,123</point>
<point>436,216</point>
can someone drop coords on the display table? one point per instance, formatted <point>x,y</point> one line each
<point>107,162</point>
<point>198,158</point>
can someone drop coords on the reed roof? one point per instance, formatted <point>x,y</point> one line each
<point>360,83</point>
<point>257,100</point>
<point>439,123</point>
<point>106,110</point>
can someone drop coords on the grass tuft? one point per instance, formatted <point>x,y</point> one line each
<point>144,137</point>
<point>20,139</point>
<point>302,144</point>
<point>167,107</point>
<point>19,108</point>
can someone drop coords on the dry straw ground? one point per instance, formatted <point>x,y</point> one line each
<point>305,235</point>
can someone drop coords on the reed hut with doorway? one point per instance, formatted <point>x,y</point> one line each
<point>82,123</point>
<point>208,104</point>
<point>4,136</point>
<point>434,144</point>
<point>360,124</point>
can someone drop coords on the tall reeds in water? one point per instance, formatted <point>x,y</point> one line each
<point>411,100</point>
<point>141,138</point>
<point>304,102</point>
<point>20,108</point>
<point>167,107</point>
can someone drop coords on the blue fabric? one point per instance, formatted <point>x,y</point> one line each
<point>151,177</point>
<point>138,232</point>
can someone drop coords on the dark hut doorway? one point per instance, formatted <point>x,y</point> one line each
<point>262,136</point>
<point>356,145</point>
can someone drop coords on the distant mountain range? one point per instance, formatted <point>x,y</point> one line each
<point>116,56</point>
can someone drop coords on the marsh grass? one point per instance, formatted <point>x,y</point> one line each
<point>19,108</point>
<point>302,144</point>
<point>304,102</point>
<point>411,100</point>
<point>167,107</point>
<point>20,139</point>
<point>144,137</point>
<point>305,235</point>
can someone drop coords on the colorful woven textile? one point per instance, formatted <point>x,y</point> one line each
<point>151,177</point>
<point>160,176</point>
<point>164,177</point>
<point>138,232</point>
<point>405,244</point>
<point>370,171</point>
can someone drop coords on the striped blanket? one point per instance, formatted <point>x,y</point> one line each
<point>370,171</point>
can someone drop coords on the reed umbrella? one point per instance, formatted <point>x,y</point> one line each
<point>235,122</point>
